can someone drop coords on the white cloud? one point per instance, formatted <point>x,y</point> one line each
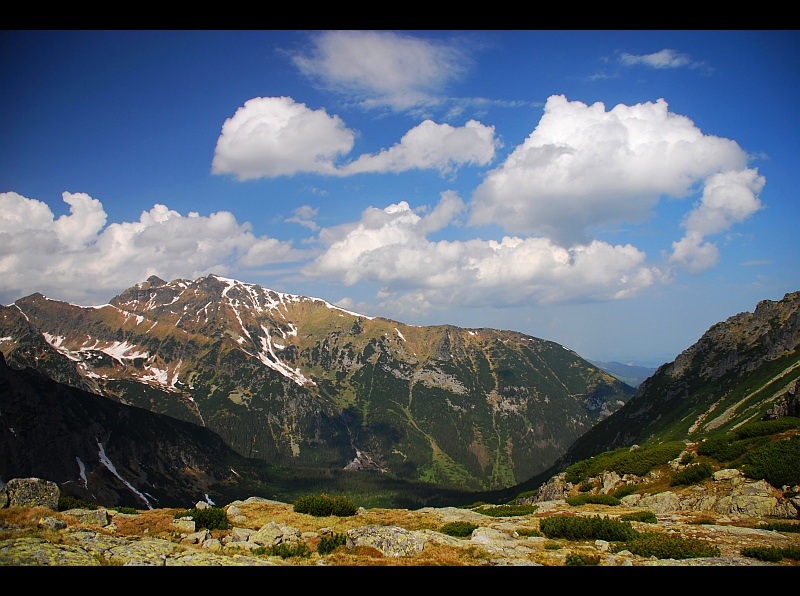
<point>304,216</point>
<point>430,145</point>
<point>390,246</point>
<point>728,198</point>
<point>275,136</point>
<point>664,59</point>
<point>584,169</point>
<point>382,68</point>
<point>75,258</point>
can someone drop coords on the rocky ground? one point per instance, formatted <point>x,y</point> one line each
<point>37,537</point>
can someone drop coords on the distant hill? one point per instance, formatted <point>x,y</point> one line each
<point>631,374</point>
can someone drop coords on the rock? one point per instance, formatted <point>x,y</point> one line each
<point>30,492</point>
<point>392,541</point>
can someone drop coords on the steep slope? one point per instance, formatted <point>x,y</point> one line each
<point>743,369</point>
<point>295,380</point>
<point>105,452</point>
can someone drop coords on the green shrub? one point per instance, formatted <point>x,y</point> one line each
<point>284,550</point>
<point>586,499</point>
<point>687,459</point>
<point>763,553</point>
<point>777,462</point>
<point>668,546</point>
<point>760,428</point>
<point>458,529</point>
<point>127,510</point>
<point>692,474</point>
<point>213,518</point>
<point>330,543</point>
<point>66,502</point>
<point>647,517</point>
<point>528,532</point>
<point>791,552</point>
<point>552,546</point>
<point>508,510</point>
<point>781,527</point>
<point>580,559</point>
<point>624,461</point>
<point>586,528</point>
<point>722,448</point>
<point>324,505</point>
<point>624,491</point>
<point>585,486</point>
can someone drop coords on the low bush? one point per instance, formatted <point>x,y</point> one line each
<point>692,474</point>
<point>668,546</point>
<point>580,559</point>
<point>722,448</point>
<point>66,502</point>
<point>647,517</point>
<point>586,528</point>
<point>777,462</point>
<point>781,527</point>
<point>284,550</point>
<point>213,518</point>
<point>458,529</point>
<point>624,491</point>
<point>528,532</point>
<point>587,499</point>
<point>330,543</point>
<point>127,510</point>
<point>508,510</point>
<point>761,428</point>
<point>763,553</point>
<point>623,461</point>
<point>324,505</point>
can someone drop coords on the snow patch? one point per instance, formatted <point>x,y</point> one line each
<point>110,466</point>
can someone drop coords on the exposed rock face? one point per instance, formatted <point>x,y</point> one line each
<point>786,405</point>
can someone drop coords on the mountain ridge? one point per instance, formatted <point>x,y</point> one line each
<point>295,380</point>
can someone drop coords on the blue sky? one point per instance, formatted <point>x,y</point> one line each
<point>618,192</point>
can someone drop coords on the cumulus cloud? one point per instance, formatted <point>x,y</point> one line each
<point>728,198</point>
<point>391,247</point>
<point>276,136</point>
<point>382,68</point>
<point>430,145</point>
<point>75,257</point>
<point>584,169</point>
<point>666,58</point>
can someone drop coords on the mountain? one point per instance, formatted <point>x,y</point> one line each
<point>631,374</point>
<point>102,451</point>
<point>297,382</point>
<point>744,369</point>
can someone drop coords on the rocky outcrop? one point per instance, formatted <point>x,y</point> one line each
<point>729,493</point>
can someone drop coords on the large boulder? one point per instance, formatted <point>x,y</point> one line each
<point>30,492</point>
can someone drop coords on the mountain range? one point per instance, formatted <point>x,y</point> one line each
<point>296,381</point>
<point>224,388</point>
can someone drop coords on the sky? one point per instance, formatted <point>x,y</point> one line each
<point>616,191</point>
